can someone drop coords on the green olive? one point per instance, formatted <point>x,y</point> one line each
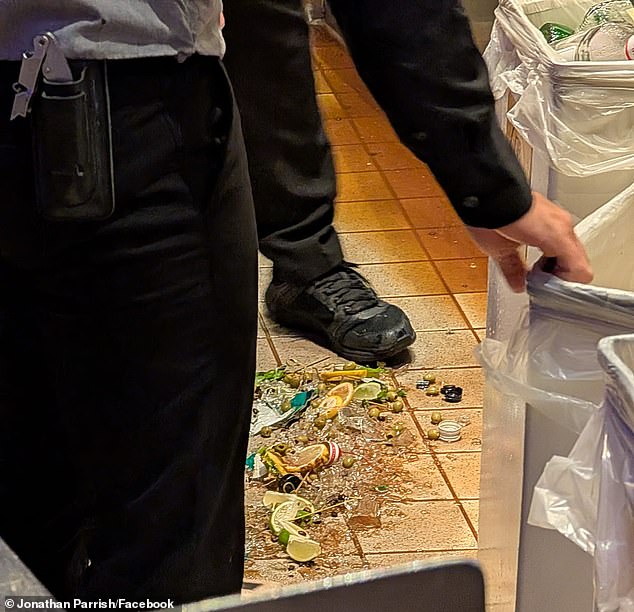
<point>303,439</point>
<point>430,378</point>
<point>433,434</point>
<point>293,380</point>
<point>348,462</point>
<point>286,405</point>
<point>391,396</point>
<point>433,390</point>
<point>312,476</point>
<point>374,413</point>
<point>319,422</point>
<point>398,426</point>
<point>351,365</point>
<point>266,432</point>
<point>283,537</point>
<point>436,417</point>
<point>322,388</point>
<point>397,406</point>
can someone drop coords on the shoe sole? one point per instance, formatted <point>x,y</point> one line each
<point>287,320</point>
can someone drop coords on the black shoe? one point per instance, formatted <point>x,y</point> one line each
<point>342,308</point>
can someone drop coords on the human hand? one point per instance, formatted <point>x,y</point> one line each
<point>545,226</point>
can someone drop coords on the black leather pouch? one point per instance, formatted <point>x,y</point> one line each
<point>72,146</point>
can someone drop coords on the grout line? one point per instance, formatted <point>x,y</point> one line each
<point>420,242</point>
<point>269,340</point>
<point>438,464</point>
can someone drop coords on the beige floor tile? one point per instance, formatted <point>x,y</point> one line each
<point>413,183</point>
<point>470,379</point>
<point>464,275</point>
<point>265,359</point>
<point>304,351</point>
<point>369,216</point>
<point>264,279</point>
<point>430,212</point>
<point>394,156</point>
<point>285,571</point>
<point>264,262</point>
<point>329,106</point>
<point>375,560</point>
<point>375,129</point>
<point>443,350</point>
<point>321,85</point>
<point>382,247</point>
<point>356,105</point>
<point>320,36</point>
<point>473,511</point>
<point>362,186</point>
<point>352,158</point>
<point>332,57</point>
<point>345,80</point>
<point>274,329</point>
<point>463,471</point>
<point>416,526</point>
<point>341,132</point>
<point>449,243</point>
<point>474,305</point>
<point>423,480</point>
<point>432,313</point>
<point>404,279</point>
<point>471,439</point>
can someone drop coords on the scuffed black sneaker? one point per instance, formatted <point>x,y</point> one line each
<point>343,309</point>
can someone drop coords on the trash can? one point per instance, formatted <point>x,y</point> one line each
<point>589,496</point>
<point>571,123</point>
<point>550,362</point>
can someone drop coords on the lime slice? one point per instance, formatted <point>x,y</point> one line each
<point>272,499</point>
<point>292,529</point>
<point>302,549</point>
<point>284,513</point>
<point>367,391</point>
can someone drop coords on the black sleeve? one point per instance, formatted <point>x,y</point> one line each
<point>419,61</point>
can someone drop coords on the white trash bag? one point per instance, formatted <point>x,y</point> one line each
<point>578,115</point>
<point>589,495</point>
<point>552,362</point>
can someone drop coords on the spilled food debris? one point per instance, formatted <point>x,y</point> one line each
<point>328,449</point>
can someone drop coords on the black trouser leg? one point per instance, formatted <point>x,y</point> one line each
<point>127,350</point>
<point>268,59</point>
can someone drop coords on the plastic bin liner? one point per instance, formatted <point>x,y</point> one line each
<point>552,362</point>
<point>550,359</point>
<point>589,495</point>
<point>578,115</point>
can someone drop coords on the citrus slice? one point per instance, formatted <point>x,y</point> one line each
<point>344,391</point>
<point>302,549</point>
<point>283,514</point>
<point>367,391</point>
<point>292,529</point>
<point>330,406</point>
<point>309,459</point>
<point>272,499</point>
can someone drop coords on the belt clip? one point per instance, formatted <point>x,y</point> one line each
<point>46,57</point>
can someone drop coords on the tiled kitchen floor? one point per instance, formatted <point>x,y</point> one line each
<point>396,223</point>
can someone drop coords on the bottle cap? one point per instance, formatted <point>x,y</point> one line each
<point>449,431</point>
